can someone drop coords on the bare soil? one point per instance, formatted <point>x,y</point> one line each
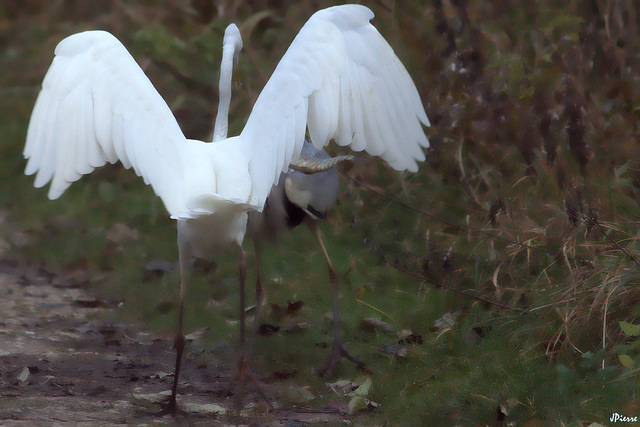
<point>61,362</point>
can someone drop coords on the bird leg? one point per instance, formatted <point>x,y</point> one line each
<point>242,367</point>
<point>260,295</point>
<point>242,276</point>
<point>179,342</point>
<point>172,405</point>
<point>338,350</point>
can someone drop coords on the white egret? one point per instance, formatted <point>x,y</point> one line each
<point>297,198</point>
<point>339,80</point>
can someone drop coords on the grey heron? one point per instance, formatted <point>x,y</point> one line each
<point>301,198</point>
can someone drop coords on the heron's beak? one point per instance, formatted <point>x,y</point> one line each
<point>311,166</point>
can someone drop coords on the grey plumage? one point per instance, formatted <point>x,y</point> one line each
<point>314,193</point>
<point>295,195</point>
<point>298,198</point>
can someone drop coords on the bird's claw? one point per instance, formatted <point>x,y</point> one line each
<point>170,409</point>
<point>337,351</point>
<point>243,370</point>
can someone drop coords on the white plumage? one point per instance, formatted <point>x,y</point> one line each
<point>339,80</point>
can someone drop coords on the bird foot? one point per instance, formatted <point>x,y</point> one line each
<point>337,351</point>
<point>243,371</point>
<point>171,409</point>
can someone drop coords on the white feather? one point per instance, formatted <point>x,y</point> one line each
<point>339,78</point>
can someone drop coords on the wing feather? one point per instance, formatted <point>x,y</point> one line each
<point>98,106</point>
<point>341,80</point>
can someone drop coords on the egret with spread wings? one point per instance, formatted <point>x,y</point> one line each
<point>339,80</point>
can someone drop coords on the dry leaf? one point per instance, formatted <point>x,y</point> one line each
<point>371,324</point>
<point>279,312</point>
<point>408,337</point>
<point>196,335</point>
<point>206,408</point>
<point>24,376</point>
<point>364,388</point>
<point>397,350</point>
<point>299,394</point>
<point>159,397</point>
<point>447,321</point>
<point>357,403</point>
<point>161,375</point>
<point>342,386</point>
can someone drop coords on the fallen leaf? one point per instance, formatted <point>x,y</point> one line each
<point>357,403</point>
<point>364,388</point>
<point>502,415</point>
<point>406,337</point>
<point>397,350</point>
<point>150,398</point>
<point>447,321</point>
<point>160,375</point>
<point>371,324</point>
<point>24,376</point>
<point>196,335</point>
<point>279,312</point>
<point>254,410</point>
<point>297,327</point>
<point>207,408</point>
<point>372,404</point>
<point>342,386</point>
<point>299,394</point>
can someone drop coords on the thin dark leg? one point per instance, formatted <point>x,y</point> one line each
<point>337,349</point>
<point>242,369</point>
<point>179,342</point>
<point>172,405</point>
<point>242,276</point>
<point>260,295</point>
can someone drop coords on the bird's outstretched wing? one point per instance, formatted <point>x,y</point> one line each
<point>343,81</point>
<point>98,106</point>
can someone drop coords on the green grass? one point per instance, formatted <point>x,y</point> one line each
<point>528,204</point>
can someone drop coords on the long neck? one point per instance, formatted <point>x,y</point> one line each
<point>221,127</point>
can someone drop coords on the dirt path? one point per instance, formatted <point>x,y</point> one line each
<point>62,362</point>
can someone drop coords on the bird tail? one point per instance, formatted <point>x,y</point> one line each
<point>208,204</point>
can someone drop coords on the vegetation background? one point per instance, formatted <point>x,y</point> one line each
<point>503,276</point>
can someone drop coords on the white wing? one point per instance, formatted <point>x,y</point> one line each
<point>98,106</point>
<point>339,78</point>
<point>343,81</point>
